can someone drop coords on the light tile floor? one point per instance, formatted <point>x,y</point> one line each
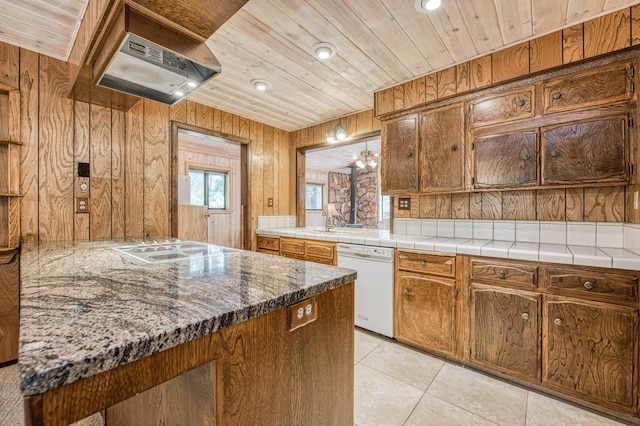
<point>396,385</point>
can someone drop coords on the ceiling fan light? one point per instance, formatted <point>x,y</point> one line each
<point>340,132</point>
<point>360,164</point>
<point>331,136</point>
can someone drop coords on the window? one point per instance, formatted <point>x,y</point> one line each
<point>314,196</point>
<point>208,188</point>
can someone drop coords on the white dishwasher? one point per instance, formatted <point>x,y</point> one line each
<point>374,285</point>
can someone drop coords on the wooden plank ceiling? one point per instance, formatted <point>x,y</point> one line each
<point>380,43</point>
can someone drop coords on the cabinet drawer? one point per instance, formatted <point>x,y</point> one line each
<point>269,243</point>
<point>322,250</point>
<point>504,273</point>
<point>322,260</point>
<point>597,285</point>
<point>503,107</point>
<point>440,265</point>
<point>265,251</point>
<point>604,85</point>
<point>292,246</point>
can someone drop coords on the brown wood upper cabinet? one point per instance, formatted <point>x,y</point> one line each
<point>502,107</point>
<point>442,149</point>
<point>400,155</point>
<point>593,150</point>
<point>506,160</point>
<point>603,85</point>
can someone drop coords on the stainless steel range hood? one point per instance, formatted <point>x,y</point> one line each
<point>152,61</point>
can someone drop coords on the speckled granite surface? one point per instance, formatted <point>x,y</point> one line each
<point>87,308</point>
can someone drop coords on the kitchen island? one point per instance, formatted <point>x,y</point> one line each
<point>219,336</point>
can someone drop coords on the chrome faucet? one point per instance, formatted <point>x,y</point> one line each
<point>325,213</point>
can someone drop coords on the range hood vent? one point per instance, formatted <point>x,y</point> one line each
<point>152,61</point>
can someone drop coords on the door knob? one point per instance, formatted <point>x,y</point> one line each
<point>555,153</point>
<point>589,285</point>
<point>423,263</point>
<point>557,95</point>
<point>558,321</point>
<point>409,154</point>
<point>502,274</point>
<point>454,147</point>
<point>521,102</point>
<point>405,291</point>
<point>525,315</point>
<point>526,156</point>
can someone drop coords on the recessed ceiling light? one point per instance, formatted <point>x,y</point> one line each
<point>425,6</point>
<point>260,85</point>
<point>323,50</point>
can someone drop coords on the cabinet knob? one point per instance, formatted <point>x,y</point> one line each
<point>409,154</point>
<point>526,156</point>
<point>454,147</point>
<point>557,95</point>
<point>525,315</point>
<point>558,321</point>
<point>423,263</point>
<point>502,274</point>
<point>555,153</point>
<point>405,291</point>
<point>521,102</point>
<point>589,285</point>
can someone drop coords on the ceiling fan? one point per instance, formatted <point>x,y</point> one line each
<point>367,159</point>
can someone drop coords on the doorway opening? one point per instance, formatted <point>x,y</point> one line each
<point>210,188</point>
<point>340,187</point>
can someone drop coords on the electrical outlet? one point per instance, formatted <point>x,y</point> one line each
<point>404,203</point>
<point>302,313</point>
<point>82,205</point>
<point>269,202</point>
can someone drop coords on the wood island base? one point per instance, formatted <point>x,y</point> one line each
<point>255,372</point>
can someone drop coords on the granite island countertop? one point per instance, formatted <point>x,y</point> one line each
<point>87,308</point>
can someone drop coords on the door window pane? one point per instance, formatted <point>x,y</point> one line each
<point>196,179</point>
<point>217,190</point>
<point>208,188</point>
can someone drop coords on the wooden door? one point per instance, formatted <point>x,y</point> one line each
<point>587,151</point>
<point>442,149</point>
<point>193,223</point>
<point>590,351</point>
<point>505,330</point>
<point>509,160</point>
<point>400,155</point>
<point>9,305</point>
<point>425,311</point>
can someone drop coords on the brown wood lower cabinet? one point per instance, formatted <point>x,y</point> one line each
<point>425,304</point>
<point>590,351</point>
<point>311,250</point>
<point>9,304</point>
<point>268,245</point>
<point>505,330</point>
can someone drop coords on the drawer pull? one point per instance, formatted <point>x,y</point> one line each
<point>454,147</point>
<point>521,102</point>
<point>555,153</point>
<point>589,285</point>
<point>405,291</point>
<point>409,154</point>
<point>557,95</point>
<point>502,274</point>
<point>423,263</point>
<point>525,315</point>
<point>526,156</point>
<point>558,321</point>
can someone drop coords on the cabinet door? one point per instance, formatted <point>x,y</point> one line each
<point>508,160</point>
<point>400,155</point>
<point>505,331</point>
<point>594,87</point>
<point>587,151</point>
<point>590,351</point>
<point>425,311</point>
<point>442,149</point>
<point>9,305</point>
<point>502,107</point>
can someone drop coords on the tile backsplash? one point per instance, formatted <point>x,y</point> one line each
<point>270,222</point>
<point>600,234</point>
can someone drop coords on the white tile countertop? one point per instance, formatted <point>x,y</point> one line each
<point>610,245</point>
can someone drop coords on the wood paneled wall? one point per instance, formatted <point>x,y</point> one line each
<point>599,36</point>
<point>606,34</point>
<point>360,123</point>
<point>128,153</point>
